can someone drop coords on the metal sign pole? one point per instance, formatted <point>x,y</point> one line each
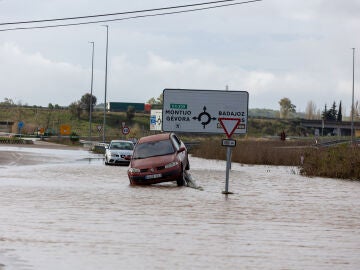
<point>206,111</point>
<point>228,164</point>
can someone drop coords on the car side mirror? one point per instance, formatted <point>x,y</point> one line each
<point>181,149</point>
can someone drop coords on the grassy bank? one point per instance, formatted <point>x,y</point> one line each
<point>51,119</point>
<point>336,162</point>
<point>333,162</point>
<point>255,151</point>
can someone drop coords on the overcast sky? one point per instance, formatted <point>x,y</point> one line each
<point>272,49</point>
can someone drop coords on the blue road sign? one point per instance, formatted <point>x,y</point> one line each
<point>20,125</point>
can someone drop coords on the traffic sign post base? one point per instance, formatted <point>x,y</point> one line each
<point>227,192</point>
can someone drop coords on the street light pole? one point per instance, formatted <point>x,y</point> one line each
<point>106,67</point>
<point>352,102</point>
<point>91,88</point>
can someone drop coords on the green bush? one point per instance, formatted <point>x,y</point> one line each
<point>74,137</point>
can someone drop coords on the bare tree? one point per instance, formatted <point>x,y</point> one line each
<point>356,111</point>
<point>310,111</point>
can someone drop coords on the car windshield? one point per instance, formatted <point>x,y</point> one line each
<point>151,149</point>
<point>122,145</point>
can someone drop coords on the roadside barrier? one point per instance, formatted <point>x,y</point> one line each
<point>11,141</point>
<point>100,148</point>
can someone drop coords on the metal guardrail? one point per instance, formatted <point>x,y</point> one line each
<point>12,141</point>
<point>99,147</point>
<point>335,142</point>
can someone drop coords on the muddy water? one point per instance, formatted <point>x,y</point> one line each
<point>69,211</point>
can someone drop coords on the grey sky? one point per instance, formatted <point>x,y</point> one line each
<point>272,49</point>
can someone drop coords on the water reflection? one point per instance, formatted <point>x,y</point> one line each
<point>92,160</point>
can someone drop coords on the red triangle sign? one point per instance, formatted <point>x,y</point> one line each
<point>229,125</point>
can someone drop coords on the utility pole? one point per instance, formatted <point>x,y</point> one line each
<point>106,67</point>
<point>91,88</point>
<point>352,102</point>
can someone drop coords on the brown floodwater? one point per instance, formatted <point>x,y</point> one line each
<point>68,210</point>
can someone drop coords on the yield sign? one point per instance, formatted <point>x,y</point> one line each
<point>229,125</point>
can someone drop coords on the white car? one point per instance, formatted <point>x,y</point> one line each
<point>119,152</point>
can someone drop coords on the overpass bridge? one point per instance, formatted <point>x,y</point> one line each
<point>342,128</point>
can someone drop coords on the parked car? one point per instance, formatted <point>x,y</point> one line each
<point>119,152</point>
<point>159,158</point>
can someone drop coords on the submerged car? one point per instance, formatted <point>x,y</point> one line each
<point>119,152</point>
<point>159,158</point>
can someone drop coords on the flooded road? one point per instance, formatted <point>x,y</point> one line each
<point>67,210</point>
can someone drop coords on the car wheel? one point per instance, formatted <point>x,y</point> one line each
<point>181,180</point>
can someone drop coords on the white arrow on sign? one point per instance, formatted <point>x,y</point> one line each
<point>229,125</point>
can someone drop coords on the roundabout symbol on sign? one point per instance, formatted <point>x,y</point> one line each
<point>207,117</point>
<point>125,130</point>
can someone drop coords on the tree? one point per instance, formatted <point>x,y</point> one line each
<point>151,101</point>
<point>7,102</point>
<point>130,113</point>
<point>324,113</point>
<point>160,99</point>
<point>75,109</point>
<point>310,111</point>
<point>339,115</point>
<point>331,114</point>
<point>286,107</point>
<point>157,101</point>
<point>88,102</point>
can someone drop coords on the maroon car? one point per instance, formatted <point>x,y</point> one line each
<point>158,158</point>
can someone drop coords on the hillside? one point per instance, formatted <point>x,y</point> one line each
<point>50,120</point>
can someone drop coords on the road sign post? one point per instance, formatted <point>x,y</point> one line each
<point>125,130</point>
<point>228,166</point>
<point>207,111</point>
<point>229,125</point>
<point>20,126</point>
<point>155,120</point>
<point>199,111</point>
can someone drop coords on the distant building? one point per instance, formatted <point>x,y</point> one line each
<point>123,106</point>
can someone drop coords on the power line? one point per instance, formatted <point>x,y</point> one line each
<point>120,13</point>
<point>125,18</point>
